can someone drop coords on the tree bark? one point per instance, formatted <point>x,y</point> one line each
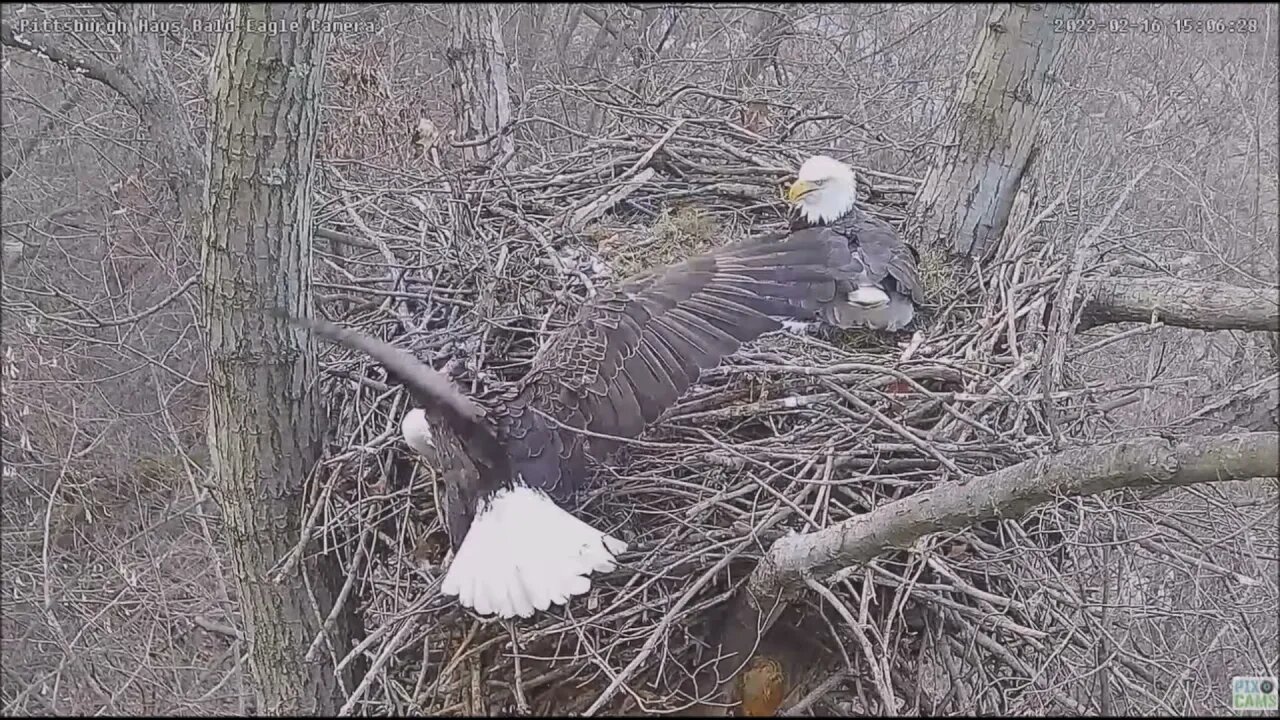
<point>1203,305</point>
<point>477,60</point>
<point>769,28</point>
<point>265,418</point>
<point>969,190</point>
<point>1008,493</point>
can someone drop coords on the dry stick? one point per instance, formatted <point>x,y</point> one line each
<point>382,630</point>
<point>398,304</point>
<point>675,609</point>
<point>537,236</point>
<point>648,155</point>
<point>625,184</point>
<point>940,566</point>
<point>1065,311</point>
<point>290,562</point>
<point>336,611</point>
<point>899,429</point>
<point>989,644</point>
<point>1007,493</point>
<point>1140,330</point>
<point>48,518</point>
<point>141,314</point>
<point>672,613</point>
<point>216,627</point>
<point>1248,391</point>
<point>887,698</point>
<point>1202,564</point>
<point>1011,492</point>
<point>986,618</point>
<point>817,693</point>
<point>381,660</point>
<point>518,681</point>
<point>235,671</point>
<point>609,199</point>
<point>459,655</point>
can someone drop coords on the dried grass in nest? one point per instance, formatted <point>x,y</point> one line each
<point>792,434</point>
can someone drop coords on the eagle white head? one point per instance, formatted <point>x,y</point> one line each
<point>417,433</point>
<point>824,189</point>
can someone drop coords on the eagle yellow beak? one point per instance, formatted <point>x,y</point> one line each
<point>799,189</point>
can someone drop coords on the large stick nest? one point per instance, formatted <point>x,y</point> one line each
<point>792,434</point>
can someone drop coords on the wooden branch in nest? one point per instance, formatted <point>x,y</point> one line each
<point>1203,305</point>
<point>632,179</point>
<point>216,627</point>
<point>1007,493</point>
<point>608,201</point>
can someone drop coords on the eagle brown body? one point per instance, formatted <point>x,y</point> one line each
<point>628,355</point>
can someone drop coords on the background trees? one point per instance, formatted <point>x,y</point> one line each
<point>657,128</point>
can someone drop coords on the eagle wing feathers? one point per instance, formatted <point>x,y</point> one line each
<point>429,389</point>
<point>627,357</point>
<point>633,351</point>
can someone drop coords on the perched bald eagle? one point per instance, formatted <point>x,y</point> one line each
<point>512,457</point>
<point>884,270</point>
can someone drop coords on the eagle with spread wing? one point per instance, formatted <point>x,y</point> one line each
<point>512,457</point>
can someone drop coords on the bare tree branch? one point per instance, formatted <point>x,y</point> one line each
<point>1007,493</point>
<point>1012,492</point>
<point>146,86</point>
<point>28,146</point>
<point>600,20</point>
<point>89,67</point>
<point>1204,305</point>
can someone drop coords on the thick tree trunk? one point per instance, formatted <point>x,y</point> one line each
<point>265,418</point>
<point>969,190</point>
<point>477,60</point>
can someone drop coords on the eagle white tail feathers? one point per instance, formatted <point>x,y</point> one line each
<point>523,553</point>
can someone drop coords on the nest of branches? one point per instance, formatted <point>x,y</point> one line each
<point>792,434</point>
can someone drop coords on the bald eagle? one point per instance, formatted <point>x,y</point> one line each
<point>887,282</point>
<point>512,457</point>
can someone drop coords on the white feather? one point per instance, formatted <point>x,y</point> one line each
<point>869,296</point>
<point>892,316</point>
<point>523,553</point>
<point>795,326</point>
<point>417,433</point>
